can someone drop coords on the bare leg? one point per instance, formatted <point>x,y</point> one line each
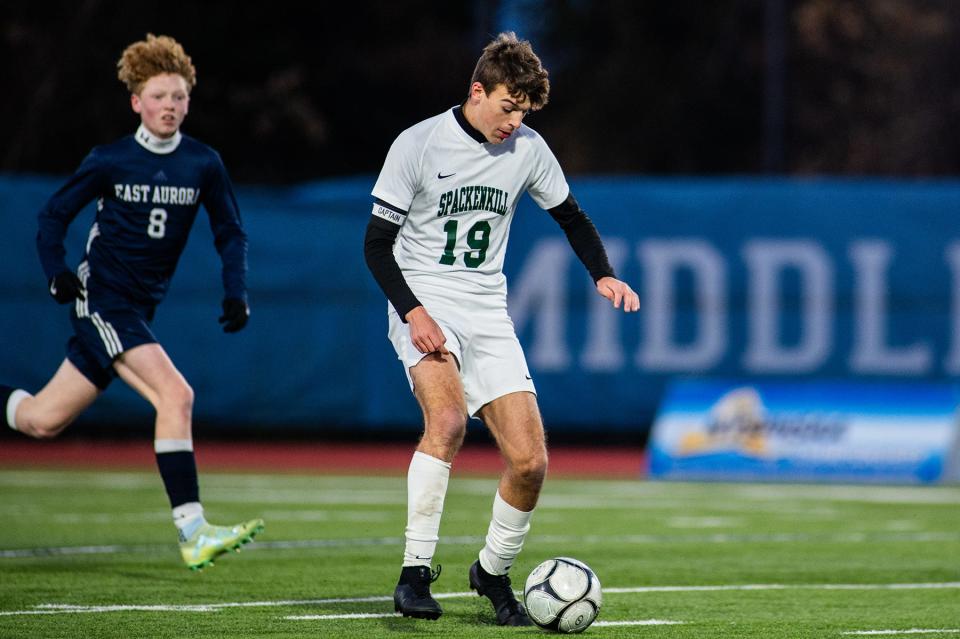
<point>66,395</point>
<point>437,386</point>
<point>438,389</point>
<point>149,371</point>
<point>514,420</point>
<point>515,423</point>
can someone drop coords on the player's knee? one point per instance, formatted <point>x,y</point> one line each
<point>451,421</point>
<point>46,431</point>
<point>46,424</point>
<point>179,399</point>
<point>186,398</point>
<point>446,428</point>
<point>530,468</point>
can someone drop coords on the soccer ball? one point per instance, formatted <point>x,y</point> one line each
<point>562,595</point>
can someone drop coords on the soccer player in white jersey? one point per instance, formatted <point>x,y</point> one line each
<point>435,243</point>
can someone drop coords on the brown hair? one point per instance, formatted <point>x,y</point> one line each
<point>157,54</point>
<point>512,63</point>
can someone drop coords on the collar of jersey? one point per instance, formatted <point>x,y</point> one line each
<point>466,126</point>
<point>157,145</point>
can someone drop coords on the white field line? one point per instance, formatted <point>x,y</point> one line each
<point>590,491</point>
<point>110,519</point>
<point>911,631</point>
<point>947,585</point>
<point>356,615</point>
<point>384,615</point>
<point>114,549</point>
<point>53,608</point>
<point>710,538</point>
<point>638,622</point>
<point>849,493</point>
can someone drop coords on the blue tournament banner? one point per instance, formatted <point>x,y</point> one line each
<point>768,279</point>
<point>813,431</point>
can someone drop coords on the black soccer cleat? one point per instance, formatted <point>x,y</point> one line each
<point>412,595</point>
<point>497,589</point>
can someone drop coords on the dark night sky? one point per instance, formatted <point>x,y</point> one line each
<point>297,92</point>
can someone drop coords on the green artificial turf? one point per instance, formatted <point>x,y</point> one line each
<point>716,560</point>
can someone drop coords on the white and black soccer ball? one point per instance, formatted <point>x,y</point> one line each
<point>562,595</point>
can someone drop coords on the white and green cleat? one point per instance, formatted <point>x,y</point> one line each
<point>209,542</point>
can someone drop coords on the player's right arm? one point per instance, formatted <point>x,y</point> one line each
<point>56,215</point>
<point>393,193</point>
<point>381,233</point>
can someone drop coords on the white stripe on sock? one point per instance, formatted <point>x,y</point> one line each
<point>16,397</point>
<point>172,445</point>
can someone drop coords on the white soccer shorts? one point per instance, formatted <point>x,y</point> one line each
<point>484,343</point>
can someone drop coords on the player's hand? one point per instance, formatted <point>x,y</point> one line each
<point>426,334</point>
<point>66,287</point>
<point>235,314</point>
<point>619,293</point>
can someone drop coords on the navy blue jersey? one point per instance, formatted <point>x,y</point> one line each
<point>146,206</point>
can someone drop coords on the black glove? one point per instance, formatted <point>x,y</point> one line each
<point>65,287</point>
<point>235,314</point>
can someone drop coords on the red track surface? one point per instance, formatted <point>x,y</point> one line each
<point>317,457</point>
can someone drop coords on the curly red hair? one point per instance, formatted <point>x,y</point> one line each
<point>157,54</point>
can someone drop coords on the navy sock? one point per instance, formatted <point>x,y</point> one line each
<point>179,472</point>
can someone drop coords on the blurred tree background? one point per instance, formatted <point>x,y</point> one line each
<point>293,91</point>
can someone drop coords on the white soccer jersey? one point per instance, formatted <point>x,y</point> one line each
<point>460,196</point>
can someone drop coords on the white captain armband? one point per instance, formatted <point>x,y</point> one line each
<point>390,215</point>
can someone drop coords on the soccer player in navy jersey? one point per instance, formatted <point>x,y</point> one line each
<point>148,187</point>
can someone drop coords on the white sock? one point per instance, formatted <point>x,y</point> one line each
<point>187,518</point>
<point>16,397</point>
<point>508,529</point>
<point>427,481</point>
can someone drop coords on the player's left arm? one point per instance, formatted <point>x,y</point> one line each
<point>548,186</point>
<point>231,242</point>
<point>586,243</point>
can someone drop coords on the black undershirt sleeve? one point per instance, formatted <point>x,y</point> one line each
<point>378,251</point>
<point>583,237</point>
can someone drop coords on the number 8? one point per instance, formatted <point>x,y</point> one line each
<point>157,228</point>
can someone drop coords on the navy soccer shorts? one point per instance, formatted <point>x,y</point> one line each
<point>104,328</point>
